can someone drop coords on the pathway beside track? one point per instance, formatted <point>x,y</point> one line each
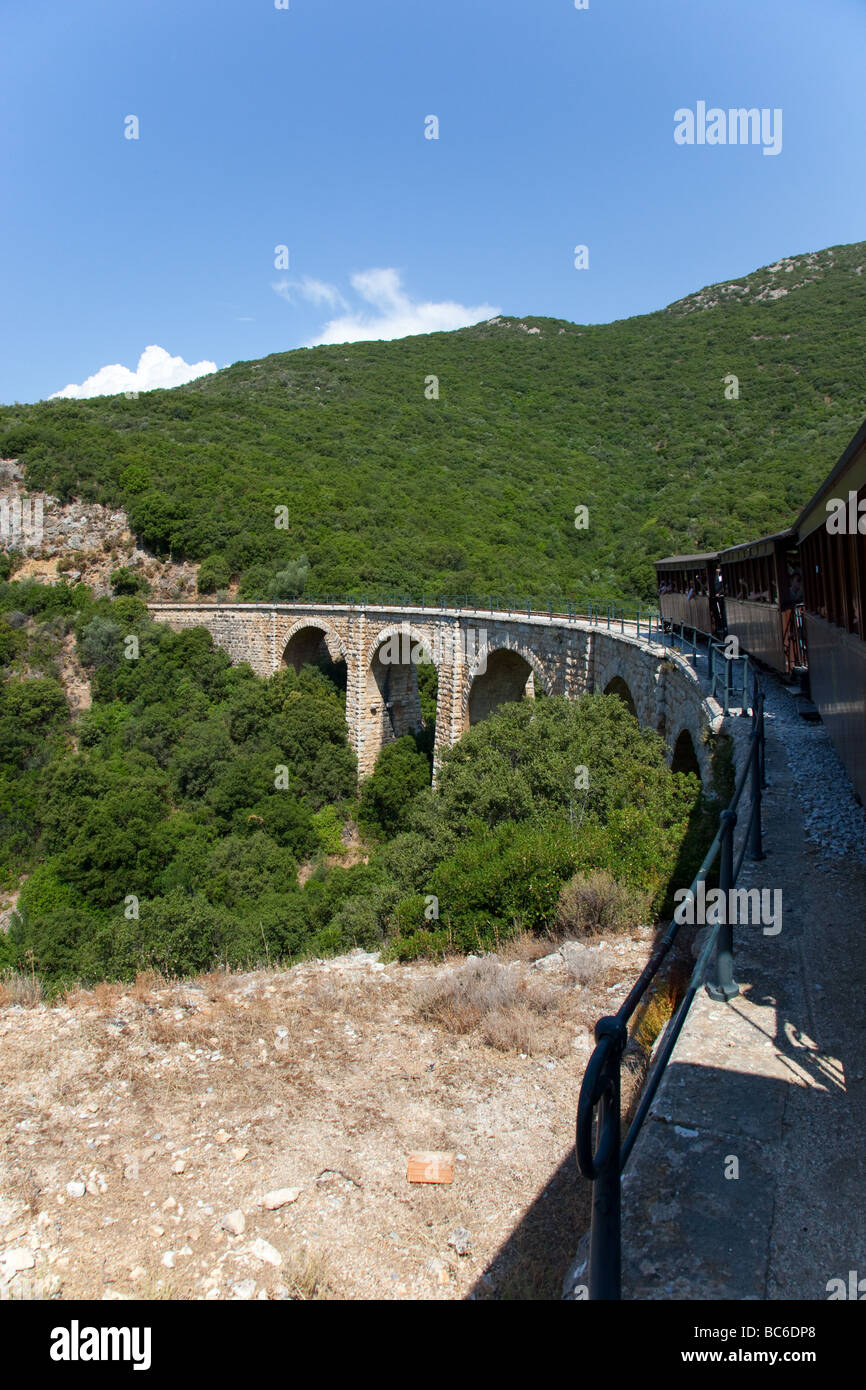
<point>749,1178</point>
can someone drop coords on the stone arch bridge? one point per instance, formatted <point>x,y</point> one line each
<point>483,659</point>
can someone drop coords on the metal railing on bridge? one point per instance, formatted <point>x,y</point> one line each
<point>726,672</point>
<point>601,1151</point>
<point>645,619</point>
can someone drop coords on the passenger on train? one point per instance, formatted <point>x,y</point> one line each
<point>718,601</point>
<point>795,587</point>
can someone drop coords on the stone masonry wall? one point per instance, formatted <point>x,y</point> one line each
<point>562,656</point>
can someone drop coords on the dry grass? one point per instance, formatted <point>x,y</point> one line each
<point>596,904</point>
<point>308,1277</point>
<point>24,990</point>
<point>483,994</point>
<point>526,947</point>
<point>587,966</point>
<point>651,1020</point>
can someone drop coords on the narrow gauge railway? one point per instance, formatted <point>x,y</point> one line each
<point>795,601</point>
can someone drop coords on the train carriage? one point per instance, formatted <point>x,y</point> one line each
<point>833,557</point>
<point>685,585</point>
<point>763,600</point>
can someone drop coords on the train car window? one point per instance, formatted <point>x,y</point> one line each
<point>859,588</point>
<point>846,575</point>
<point>826,570</point>
<point>832,579</point>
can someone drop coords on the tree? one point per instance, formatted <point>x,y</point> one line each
<point>400,773</point>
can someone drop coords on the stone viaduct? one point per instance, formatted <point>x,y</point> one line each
<point>483,659</point>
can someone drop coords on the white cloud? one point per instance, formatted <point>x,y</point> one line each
<point>156,368</point>
<point>394,314</point>
<point>314,291</point>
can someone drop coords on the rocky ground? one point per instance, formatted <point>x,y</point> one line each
<point>247,1136</point>
<point>834,821</point>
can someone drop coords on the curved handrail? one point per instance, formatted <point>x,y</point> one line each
<point>600,1089</point>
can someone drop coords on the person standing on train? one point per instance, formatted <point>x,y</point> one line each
<point>718,600</point>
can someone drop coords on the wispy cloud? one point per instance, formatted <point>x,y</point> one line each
<point>156,368</point>
<point>314,291</point>
<point>394,314</point>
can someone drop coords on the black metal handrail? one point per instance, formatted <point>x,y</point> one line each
<point>599,1104</point>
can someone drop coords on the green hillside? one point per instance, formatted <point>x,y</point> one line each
<point>474,493</point>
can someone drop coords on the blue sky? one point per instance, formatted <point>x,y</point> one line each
<point>305,127</point>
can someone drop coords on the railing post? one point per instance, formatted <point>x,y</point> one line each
<point>727,685</point>
<point>756,848</point>
<point>601,1088</point>
<point>724,986</point>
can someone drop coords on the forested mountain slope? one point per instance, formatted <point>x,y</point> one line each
<point>389,492</point>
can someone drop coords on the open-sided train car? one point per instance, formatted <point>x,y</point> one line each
<point>763,599</point>
<point>833,557</point>
<point>685,584</point>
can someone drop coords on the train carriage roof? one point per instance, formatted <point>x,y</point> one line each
<point>848,474</point>
<point>751,550</point>
<point>685,562</point>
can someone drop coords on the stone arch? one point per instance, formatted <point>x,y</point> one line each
<point>310,641</point>
<point>617,686</point>
<point>391,703</point>
<point>509,673</point>
<point>684,757</point>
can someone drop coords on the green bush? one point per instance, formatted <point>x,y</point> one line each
<point>328,829</point>
<point>262,583</point>
<point>12,643</point>
<point>178,934</point>
<point>127,581</point>
<point>503,883</point>
<point>400,773</point>
<point>213,574</point>
<point>101,643</point>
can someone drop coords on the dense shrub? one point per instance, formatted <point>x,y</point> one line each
<point>127,581</point>
<point>262,583</point>
<point>400,773</point>
<point>213,574</point>
<point>593,904</point>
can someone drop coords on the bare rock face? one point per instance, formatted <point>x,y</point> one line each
<point>78,541</point>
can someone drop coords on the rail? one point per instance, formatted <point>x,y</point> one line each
<point>601,1151</point>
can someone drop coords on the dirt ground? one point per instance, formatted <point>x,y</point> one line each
<point>142,1127</point>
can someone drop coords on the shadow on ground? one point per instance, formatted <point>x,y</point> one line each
<point>533,1261</point>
